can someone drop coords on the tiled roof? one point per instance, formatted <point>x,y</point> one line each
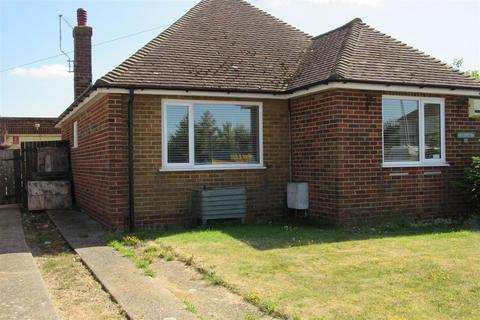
<point>219,44</point>
<point>357,52</point>
<point>230,45</point>
<point>19,125</point>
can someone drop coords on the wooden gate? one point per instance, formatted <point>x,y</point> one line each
<point>10,176</point>
<point>44,161</point>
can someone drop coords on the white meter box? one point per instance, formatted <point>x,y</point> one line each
<point>297,196</point>
<point>474,108</point>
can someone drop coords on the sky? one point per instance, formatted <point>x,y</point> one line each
<point>29,31</point>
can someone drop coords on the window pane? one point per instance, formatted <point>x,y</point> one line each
<point>75,134</point>
<point>433,149</point>
<point>400,130</point>
<point>177,133</point>
<point>226,134</point>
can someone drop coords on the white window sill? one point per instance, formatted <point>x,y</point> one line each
<point>213,168</point>
<point>415,164</point>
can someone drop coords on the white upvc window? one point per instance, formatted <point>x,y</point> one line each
<point>211,135</point>
<point>413,131</point>
<point>75,134</point>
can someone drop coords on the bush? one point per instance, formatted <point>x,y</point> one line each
<point>471,183</point>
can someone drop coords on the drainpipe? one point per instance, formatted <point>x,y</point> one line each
<point>131,200</point>
<point>290,165</point>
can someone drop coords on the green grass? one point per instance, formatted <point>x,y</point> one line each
<point>131,254</point>
<point>190,306</point>
<point>306,272</point>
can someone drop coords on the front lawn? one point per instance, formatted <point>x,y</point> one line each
<point>311,273</point>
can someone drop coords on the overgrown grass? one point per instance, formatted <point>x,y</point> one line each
<point>140,254</point>
<point>304,272</point>
<point>190,306</point>
<point>132,255</point>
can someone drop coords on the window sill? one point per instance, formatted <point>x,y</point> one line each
<point>212,168</point>
<point>414,165</point>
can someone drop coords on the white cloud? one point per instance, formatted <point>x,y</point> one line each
<point>46,71</point>
<point>371,3</point>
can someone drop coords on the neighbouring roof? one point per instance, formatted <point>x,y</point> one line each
<point>21,125</point>
<point>230,45</point>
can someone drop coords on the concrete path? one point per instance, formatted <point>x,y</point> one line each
<point>141,297</point>
<point>22,291</point>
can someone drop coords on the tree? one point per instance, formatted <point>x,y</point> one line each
<point>178,143</point>
<point>458,62</point>
<point>206,138</point>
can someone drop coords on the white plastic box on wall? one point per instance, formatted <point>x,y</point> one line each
<point>474,108</point>
<point>297,196</point>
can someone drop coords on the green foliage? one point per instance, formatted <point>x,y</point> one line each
<point>130,241</point>
<point>471,182</point>
<point>458,62</point>
<point>179,141</point>
<point>213,279</point>
<point>132,255</point>
<point>190,306</point>
<point>473,74</point>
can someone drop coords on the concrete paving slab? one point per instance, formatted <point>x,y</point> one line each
<point>23,294</point>
<point>141,297</point>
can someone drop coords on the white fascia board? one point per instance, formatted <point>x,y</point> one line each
<point>383,87</point>
<point>92,97</point>
<point>100,92</point>
<point>302,92</point>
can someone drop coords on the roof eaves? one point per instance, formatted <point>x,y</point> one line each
<point>75,103</point>
<point>105,85</point>
<point>377,82</point>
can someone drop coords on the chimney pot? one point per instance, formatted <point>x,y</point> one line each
<point>81,17</point>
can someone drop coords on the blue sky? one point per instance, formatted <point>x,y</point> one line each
<point>445,29</point>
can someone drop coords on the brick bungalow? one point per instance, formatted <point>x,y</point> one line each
<point>231,96</point>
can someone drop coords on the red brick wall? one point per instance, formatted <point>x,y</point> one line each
<point>315,150</point>
<point>164,198</point>
<point>348,136</point>
<point>336,147</point>
<point>99,163</point>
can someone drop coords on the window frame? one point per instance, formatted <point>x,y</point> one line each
<point>422,162</point>
<point>75,134</point>
<point>191,166</point>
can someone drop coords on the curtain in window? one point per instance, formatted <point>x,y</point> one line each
<point>400,130</point>
<point>433,149</point>
<point>177,133</point>
<point>225,134</point>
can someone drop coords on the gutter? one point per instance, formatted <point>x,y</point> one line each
<point>93,92</point>
<point>131,199</point>
<point>290,155</point>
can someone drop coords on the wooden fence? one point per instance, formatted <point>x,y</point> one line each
<point>10,176</point>
<point>46,161</point>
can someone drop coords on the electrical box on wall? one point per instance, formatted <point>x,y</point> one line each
<point>474,108</point>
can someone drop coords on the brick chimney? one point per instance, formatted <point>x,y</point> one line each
<point>82,64</point>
